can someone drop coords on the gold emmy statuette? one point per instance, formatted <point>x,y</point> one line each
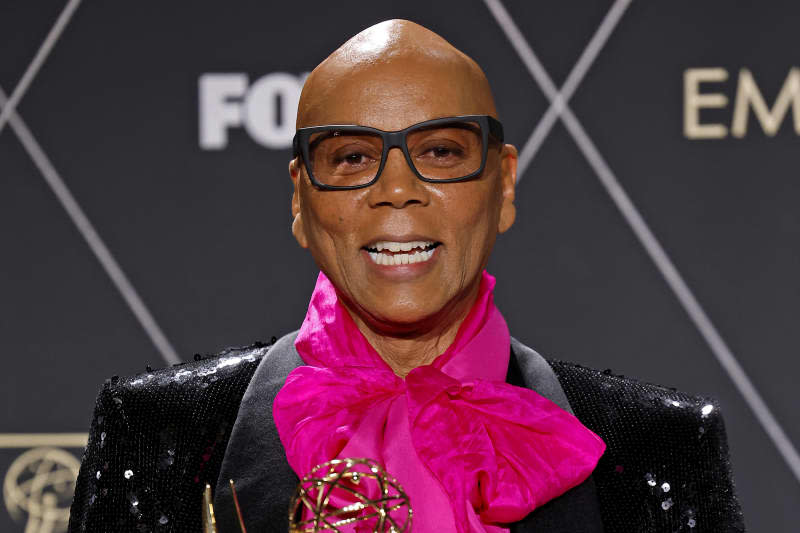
<point>209,520</point>
<point>344,491</point>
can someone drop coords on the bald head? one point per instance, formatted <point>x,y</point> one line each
<point>394,67</point>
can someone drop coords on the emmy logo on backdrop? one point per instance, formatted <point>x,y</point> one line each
<point>334,495</point>
<point>40,483</point>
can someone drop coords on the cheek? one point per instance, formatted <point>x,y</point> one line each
<point>472,217</point>
<point>326,215</point>
<point>331,224</point>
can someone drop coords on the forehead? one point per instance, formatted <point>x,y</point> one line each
<point>393,95</point>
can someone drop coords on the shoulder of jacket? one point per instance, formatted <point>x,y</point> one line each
<point>613,405</point>
<point>579,380</point>
<point>666,460</point>
<point>158,437</point>
<point>212,384</point>
<point>200,371</point>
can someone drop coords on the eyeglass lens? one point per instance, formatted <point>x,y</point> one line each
<point>350,158</point>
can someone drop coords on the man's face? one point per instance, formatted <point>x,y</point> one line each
<point>458,221</point>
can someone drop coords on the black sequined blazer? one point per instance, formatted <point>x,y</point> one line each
<point>157,438</point>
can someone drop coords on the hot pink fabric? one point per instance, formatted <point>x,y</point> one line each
<point>471,451</point>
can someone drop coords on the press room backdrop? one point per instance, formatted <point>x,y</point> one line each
<point>144,203</point>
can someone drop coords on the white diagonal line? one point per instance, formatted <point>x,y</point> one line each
<point>91,236</point>
<point>574,79</point>
<point>654,249</point>
<point>38,60</point>
<point>684,294</point>
<point>523,48</point>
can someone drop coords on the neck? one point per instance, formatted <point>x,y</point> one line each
<point>405,347</point>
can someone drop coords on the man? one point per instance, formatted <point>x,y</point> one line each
<point>401,184</point>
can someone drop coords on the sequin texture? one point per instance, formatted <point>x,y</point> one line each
<point>155,440</point>
<point>665,469</point>
<point>676,478</point>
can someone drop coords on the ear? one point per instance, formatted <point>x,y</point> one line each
<point>295,173</point>
<point>508,181</point>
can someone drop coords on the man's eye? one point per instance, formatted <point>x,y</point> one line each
<point>354,158</point>
<point>444,152</point>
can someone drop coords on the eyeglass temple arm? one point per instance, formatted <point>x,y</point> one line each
<point>496,129</point>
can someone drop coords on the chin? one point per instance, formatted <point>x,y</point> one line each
<point>401,316</point>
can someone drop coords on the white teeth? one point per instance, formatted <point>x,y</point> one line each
<point>400,246</point>
<point>401,259</point>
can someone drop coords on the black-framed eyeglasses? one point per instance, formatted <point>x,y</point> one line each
<point>441,150</point>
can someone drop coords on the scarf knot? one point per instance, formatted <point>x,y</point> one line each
<point>452,431</point>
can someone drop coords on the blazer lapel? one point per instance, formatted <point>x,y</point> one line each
<point>254,458</point>
<point>577,510</point>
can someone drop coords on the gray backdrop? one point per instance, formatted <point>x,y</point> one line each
<point>144,203</point>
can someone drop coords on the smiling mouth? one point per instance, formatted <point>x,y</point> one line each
<point>392,253</point>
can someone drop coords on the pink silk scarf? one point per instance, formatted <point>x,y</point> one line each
<point>472,452</point>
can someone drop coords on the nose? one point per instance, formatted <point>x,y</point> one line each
<point>398,186</point>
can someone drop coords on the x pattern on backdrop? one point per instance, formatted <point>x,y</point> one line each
<point>40,467</point>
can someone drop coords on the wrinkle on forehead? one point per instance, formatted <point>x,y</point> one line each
<point>403,61</point>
